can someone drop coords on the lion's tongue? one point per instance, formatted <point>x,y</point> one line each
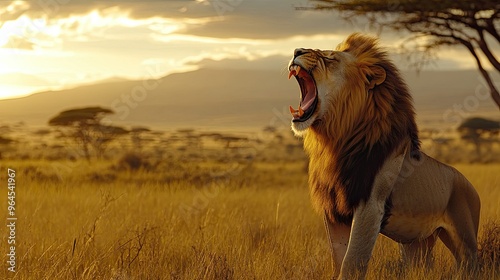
<point>307,102</point>
<point>310,95</point>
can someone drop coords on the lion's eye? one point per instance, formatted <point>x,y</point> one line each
<point>333,58</point>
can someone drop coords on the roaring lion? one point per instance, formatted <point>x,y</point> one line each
<point>367,174</point>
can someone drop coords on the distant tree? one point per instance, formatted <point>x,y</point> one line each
<point>270,129</point>
<point>104,135</point>
<point>479,131</point>
<point>86,128</point>
<point>136,133</point>
<point>5,140</point>
<point>473,24</point>
<point>232,139</point>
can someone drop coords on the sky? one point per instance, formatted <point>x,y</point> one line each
<point>55,44</point>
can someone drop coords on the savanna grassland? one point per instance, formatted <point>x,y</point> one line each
<point>188,204</point>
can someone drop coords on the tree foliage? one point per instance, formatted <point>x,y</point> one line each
<point>473,24</point>
<point>5,140</point>
<point>478,131</point>
<point>86,128</point>
<point>80,116</point>
<point>480,124</point>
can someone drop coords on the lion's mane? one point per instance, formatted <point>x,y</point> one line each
<point>361,128</point>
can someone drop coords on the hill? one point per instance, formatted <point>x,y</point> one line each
<point>234,98</point>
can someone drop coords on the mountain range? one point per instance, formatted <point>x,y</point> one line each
<point>216,98</point>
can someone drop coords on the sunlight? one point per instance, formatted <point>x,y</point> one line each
<point>13,28</point>
<point>117,41</point>
<point>45,32</point>
<point>10,91</point>
<point>15,7</point>
<point>208,40</point>
<point>56,48</point>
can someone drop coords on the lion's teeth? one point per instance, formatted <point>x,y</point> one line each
<point>297,113</point>
<point>294,71</point>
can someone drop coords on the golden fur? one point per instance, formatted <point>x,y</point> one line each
<point>366,171</point>
<point>363,115</point>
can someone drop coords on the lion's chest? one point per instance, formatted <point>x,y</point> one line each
<point>328,192</point>
<point>341,178</point>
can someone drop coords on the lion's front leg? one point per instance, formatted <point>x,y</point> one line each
<point>365,229</point>
<point>367,220</point>
<point>338,238</point>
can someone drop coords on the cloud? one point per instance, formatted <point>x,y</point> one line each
<point>259,19</point>
<point>276,62</point>
<point>279,62</point>
<point>106,25</point>
<point>126,37</point>
<point>23,79</point>
<point>54,9</point>
<point>16,42</point>
<point>12,10</point>
<point>250,19</point>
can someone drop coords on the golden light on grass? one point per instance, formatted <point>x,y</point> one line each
<point>197,213</point>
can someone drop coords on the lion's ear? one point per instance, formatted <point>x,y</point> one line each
<point>376,76</point>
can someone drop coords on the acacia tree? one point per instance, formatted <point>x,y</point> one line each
<point>473,24</point>
<point>86,128</point>
<point>136,133</point>
<point>478,131</point>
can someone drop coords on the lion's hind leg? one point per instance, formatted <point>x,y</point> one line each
<point>419,252</point>
<point>459,234</point>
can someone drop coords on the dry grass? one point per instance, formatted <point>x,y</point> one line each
<point>226,216</point>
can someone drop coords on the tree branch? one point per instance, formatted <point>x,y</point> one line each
<point>490,26</point>
<point>493,90</point>
<point>448,22</point>
<point>483,45</point>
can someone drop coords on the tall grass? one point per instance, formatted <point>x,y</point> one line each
<point>255,222</point>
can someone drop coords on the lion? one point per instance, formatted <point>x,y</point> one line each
<point>367,174</point>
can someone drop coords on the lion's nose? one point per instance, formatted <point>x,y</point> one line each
<point>299,52</point>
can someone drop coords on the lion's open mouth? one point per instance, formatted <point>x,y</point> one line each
<point>308,94</point>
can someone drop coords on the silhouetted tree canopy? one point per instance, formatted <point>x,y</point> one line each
<point>86,128</point>
<point>140,129</point>
<point>473,24</point>
<point>80,116</point>
<point>478,131</point>
<point>5,140</point>
<point>480,124</point>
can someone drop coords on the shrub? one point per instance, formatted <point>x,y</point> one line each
<point>489,246</point>
<point>133,161</point>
